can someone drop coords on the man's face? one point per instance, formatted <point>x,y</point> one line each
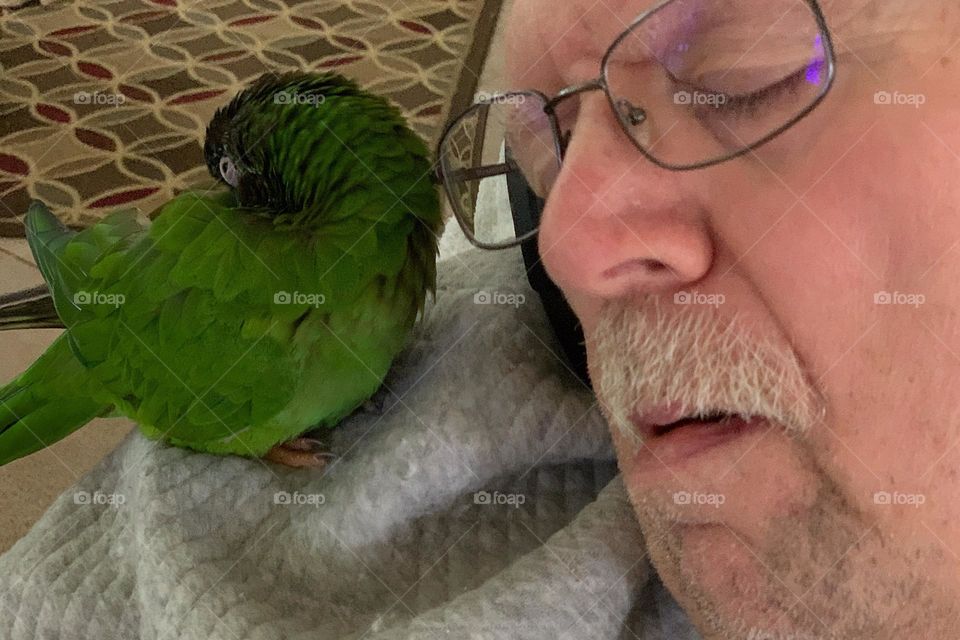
<point>813,284</point>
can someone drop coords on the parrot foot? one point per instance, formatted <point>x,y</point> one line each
<point>300,453</point>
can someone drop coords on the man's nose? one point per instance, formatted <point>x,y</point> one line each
<point>615,223</point>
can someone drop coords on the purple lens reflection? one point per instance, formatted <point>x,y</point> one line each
<point>815,73</point>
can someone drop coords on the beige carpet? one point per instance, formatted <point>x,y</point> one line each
<point>104,104</point>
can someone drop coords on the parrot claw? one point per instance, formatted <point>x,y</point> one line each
<point>300,453</point>
<point>305,444</point>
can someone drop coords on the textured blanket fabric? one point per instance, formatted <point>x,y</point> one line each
<point>475,500</point>
<point>479,500</point>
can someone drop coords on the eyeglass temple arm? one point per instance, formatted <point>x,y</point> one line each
<point>478,173</point>
<point>475,173</point>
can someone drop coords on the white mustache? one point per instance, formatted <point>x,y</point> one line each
<point>649,353</point>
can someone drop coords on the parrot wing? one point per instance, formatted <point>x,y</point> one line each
<point>65,263</point>
<point>180,321</point>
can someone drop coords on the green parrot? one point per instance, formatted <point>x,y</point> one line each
<point>247,315</point>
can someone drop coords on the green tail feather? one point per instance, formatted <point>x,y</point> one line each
<point>28,309</point>
<point>48,402</point>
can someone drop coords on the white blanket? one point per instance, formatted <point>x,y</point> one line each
<point>480,502</point>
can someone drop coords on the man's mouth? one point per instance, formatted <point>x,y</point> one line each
<point>718,419</point>
<point>672,436</point>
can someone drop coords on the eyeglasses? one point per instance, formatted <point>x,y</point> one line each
<point>692,83</point>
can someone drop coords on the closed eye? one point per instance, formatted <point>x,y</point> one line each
<point>228,171</point>
<point>752,104</point>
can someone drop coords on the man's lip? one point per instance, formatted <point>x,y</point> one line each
<point>670,438</point>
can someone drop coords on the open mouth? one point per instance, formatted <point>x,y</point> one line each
<point>717,419</point>
<point>673,435</point>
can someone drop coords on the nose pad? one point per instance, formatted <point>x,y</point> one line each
<point>630,113</point>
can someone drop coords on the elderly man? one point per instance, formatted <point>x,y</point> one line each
<point>752,208</point>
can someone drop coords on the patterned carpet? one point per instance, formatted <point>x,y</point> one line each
<point>104,104</point>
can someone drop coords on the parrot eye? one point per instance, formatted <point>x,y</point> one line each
<point>229,171</point>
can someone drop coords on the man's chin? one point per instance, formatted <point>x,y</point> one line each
<point>724,587</point>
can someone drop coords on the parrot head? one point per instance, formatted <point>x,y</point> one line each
<point>279,144</point>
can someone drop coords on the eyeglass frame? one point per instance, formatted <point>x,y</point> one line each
<point>600,83</point>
